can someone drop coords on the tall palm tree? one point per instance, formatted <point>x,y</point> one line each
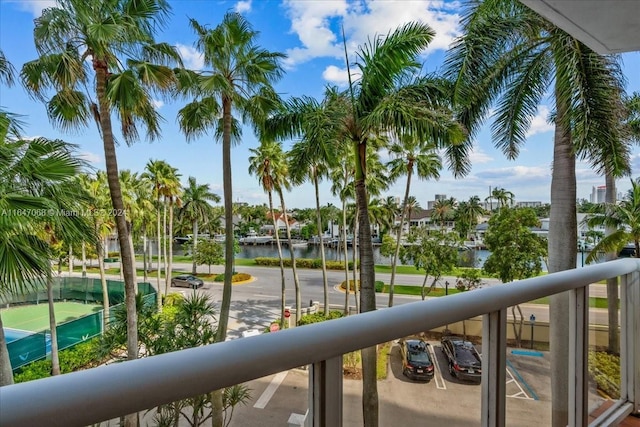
<point>172,192</point>
<point>196,209</point>
<point>158,172</point>
<point>239,77</point>
<point>512,57</point>
<point>268,164</point>
<point>384,100</point>
<point>99,208</point>
<point>409,155</point>
<point>502,197</point>
<point>144,218</point>
<point>78,38</point>
<point>466,216</point>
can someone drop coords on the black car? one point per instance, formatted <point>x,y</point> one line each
<point>416,362</point>
<point>464,360</point>
<point>187,281</point>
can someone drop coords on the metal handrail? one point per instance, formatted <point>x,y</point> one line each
<point>106,392</point>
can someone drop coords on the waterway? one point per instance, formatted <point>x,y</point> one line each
<point>468,258</point>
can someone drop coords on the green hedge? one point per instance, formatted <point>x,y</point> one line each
<point>308,319</point>
<point>302,263</point>
<point>78,357</point>
<point>238,277</point>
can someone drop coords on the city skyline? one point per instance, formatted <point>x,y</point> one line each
<point>310,34</point>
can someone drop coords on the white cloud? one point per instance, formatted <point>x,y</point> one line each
<point>540,122</point>
<point>318,24</point>
<point>36,6</point>
<point>478,156</point>
<point>336,75</point>
<point>191,57</point>
<point>157,103</point>
<point>243,6</point>
<point>90,157</point>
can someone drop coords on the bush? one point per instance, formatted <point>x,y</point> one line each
<point>113,255</point>
<point>78,357</point>
<point>308,319</point>
<point>604,368</point>
<point>379,285</point>
<point>238,277</point>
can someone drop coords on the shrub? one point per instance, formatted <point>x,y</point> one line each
<point>302,263</point>
<point>113,255</point>
<point>604,368</point>
<point>78,357</point>
<point>238,277</point>
<point>308,319</point>
<point>379,286</point>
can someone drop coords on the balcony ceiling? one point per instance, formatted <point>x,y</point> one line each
<point>611,26</point>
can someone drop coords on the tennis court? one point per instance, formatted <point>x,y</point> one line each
<point>36,317</point>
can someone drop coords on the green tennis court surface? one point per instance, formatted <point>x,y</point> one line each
<point>36,317</point>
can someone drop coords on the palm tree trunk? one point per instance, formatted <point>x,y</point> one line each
<point>612,284</point>
<point>84,260</point>
<point>322,257</point>
<point>145,277</point>
<point>346,258</point>
<point>164,246</point>
<point>367,296</point>
<point>394,260</point>
<point>55,357</point>
<point>126,257</point>
<point>6,373</point>
<point>296,282</point>
<point>356,268</point>
<point>159,250</point>
<point>223,320</point>
<point>563,232</point>
<point>170,247</point>
<point>283,288</point>
<point>195,245</point>
<point>70,260</point>
<point>105,288</point>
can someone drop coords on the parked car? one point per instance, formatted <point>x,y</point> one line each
<point>187,281</point>
<point>464,360</point>
<point>416,361</point>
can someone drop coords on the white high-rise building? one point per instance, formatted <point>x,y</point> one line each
<point>598,194</point>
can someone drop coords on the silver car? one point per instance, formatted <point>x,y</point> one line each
<point>187,281</point>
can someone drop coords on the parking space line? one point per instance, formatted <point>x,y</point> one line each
<point>519,380</point>
<point>440,384</point>
<point>268,393</point>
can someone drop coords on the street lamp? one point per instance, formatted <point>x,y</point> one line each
<point>582,247</point>
<point>532,321</point>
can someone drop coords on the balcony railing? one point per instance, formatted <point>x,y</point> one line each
<point>107,392</point>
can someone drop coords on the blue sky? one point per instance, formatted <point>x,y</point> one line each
<point>309,33</point>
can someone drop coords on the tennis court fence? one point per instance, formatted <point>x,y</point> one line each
<point>37,345</point>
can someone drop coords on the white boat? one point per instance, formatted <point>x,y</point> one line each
<point>252,238</point>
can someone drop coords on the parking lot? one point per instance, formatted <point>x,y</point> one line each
<point>279,398</point>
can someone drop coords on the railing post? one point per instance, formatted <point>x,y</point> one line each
<point>630,340</point>
<point>578,351</point>
<point>494,365</point>
<point>325,393</point>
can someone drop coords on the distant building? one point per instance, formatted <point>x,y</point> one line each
<point>598,194</point>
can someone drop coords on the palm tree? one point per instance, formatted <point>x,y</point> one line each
<point>502,196</point>
<point>78,37</point>
<point>196,209</point>
<point>409,155</point>
<point>384,100</point>
<point>267,162</point>
<point>511,56</point>
<point>172,193</point>
<point>145,216</point>
<point>466,215</point>
<point>158,172</point>
<point>36,175</point>
<point>240,78</point>
<point>624,218</point>
<point>443,210</point>
<point>99,208</point>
